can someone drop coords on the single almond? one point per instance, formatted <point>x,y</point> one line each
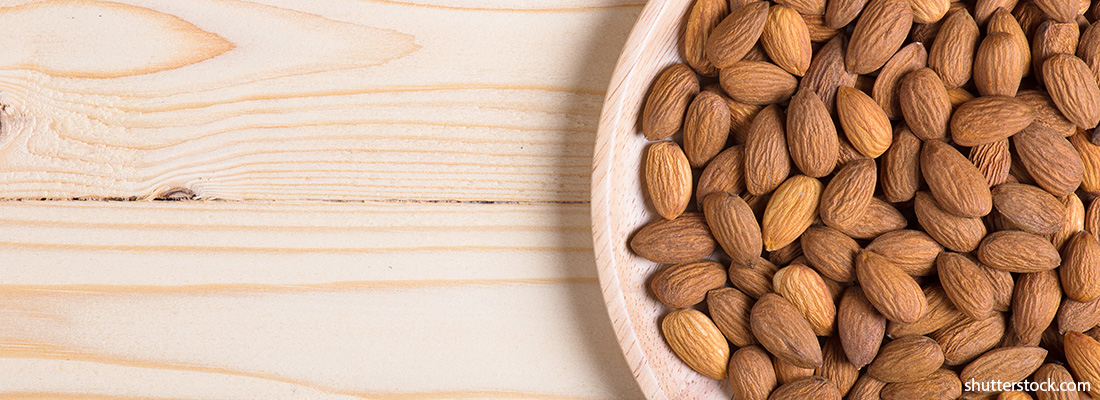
<point>787,254</point>
<point>1088,48</point>
<point>831,252</point>
<point>664,110</point>
<point>808,7</point>
<point>724,174</point>
<point>957,184</point>
<point>767,163</point>
<point>865,124</point>
<point>952,53</point>
<point>1004,285</point>
<point>753,276</point>
<point>811,135</point>
<point>866,388</point>
<point>893,292</point>
<point>961,234</point>
<point>1020,252</point>
<point>1073,221</point>
<point>848,194</point>
<point>695,339</point>
<point>900,175</point>
<point>910,58</point>
<point>929,11</point>
<point>1073,87</point>
<point>839,13</point>
<point>1076,316</point>
<point>814,387</point>
<point>1002,21</point>
<point>907,359</point>
<point>966,285</point>
<point>781,329</point>
<point>913,251</point>
<point>942,384</point>
<point>998,67</point>
<point>706,128</point>
<point>741,116</point>
<point>1059,377</point>
<point>705,16</point>
<point>668,179</point>
<point>1049,159</point>
<point>786,372</point>
<point>819,32</point>
<point>733,225</point>
<point>1006,364</point>
<point>757,82</point>
<point>1060,10</point>
<point>1083,356</point>
<point>966,339</point>
<point>1035,305</point>
<point>684,239</point>
<point>924,104</point>
<point>791,209</point>
<point>879,33</point>
<point>1092,219</point>
<point>940,314</point>
<point>1080,271</point>
<point>805,289</point>
<point>836,368</point>
<point>994,161</point>
<point>860,327</point>
<point>827,73</point>
<point>730,309</point>
<point>989,119</point>
<point>751,375</point>
<point>879,218</point>
<point>732,39</point>
<point>1029,208</point>
<point>685,285</point>
<point>1090,162</point>
<point>786,39</point>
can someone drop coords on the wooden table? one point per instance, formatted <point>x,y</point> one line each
<point>391,199</point>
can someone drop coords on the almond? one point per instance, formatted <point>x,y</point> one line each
<point>1073,221</point>
<point>787,254</point>
<point>910,58</point>
<point>786,372</point>
<point>941,384</point>
<point>730,310</point>
<point>913,251</point>
<point>839,13</point>
<point>966,339</point>
<point>1083,356</point>
<point>827,72</point>
<point>966,285</point>
<point>668,179</point>
<point>924,104</point>
<point>1090,162</point>
<point>1029,208</point>
<point>998,67</point>
<point>989,119</point>
<point>1035,305</point>
<point>1080,271</point>
<point>741,116</point>
<point>753,276</point>
<point>676,241</point>
<point>732,39</point>
<point>811,135</point>
<point>940,313</point>
<point>1016,251</point>
<point>1059,377</point>
<point>751,375</point>
<point>733,225</point>
<point>848,194</point>
<point>952,53</point>
<point>831,252</point>
<point>808,7</point>
<point>893,292</point>
<point>668,101</point>
<point>1088,49</point>
<point>705,16</point>
<point>706,128</point>
<point>907,359</point>
<point>1050,159</point>
<point>1030,17</point>
<point>961,234</point>
<point>1003,287</point>
<point>900,174</point>
<point>786,39</point>
<point>957,184</point>
<point>1076,316</point>
<point>929,11</point>
<point>757,82</point>
<point>781,329</point>
<point>864,122</point>
<point>695,339</point>
<point>792,208</point>
<point>1060,10</point>
<point>685,285</point>
<point>1006,364</point>
<point>805,289</point>
<point>1050,38</point>
<point>836,368</point>
<point>724,174</point>
<point>767,162</point>
<point>1092,218</point>
<point>814,387</point>
<point>994,161</point>
<point>985,9</point>
<point>1002,21</point>
<point>819,32</point>
<point>866,388</point>
<point>880,218</point>
<point>860,327</point>
<point>879,33</point>
<point>1073,88</point>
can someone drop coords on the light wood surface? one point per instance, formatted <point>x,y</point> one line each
<point>619,209</point>
<point>397,199</point>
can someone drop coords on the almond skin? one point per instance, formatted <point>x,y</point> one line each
<point>1088,48</point>
<point>1083,356</point>
<point>940,314</point>
<point>1050,38</point>
<point>1003,287</point>
<point>1090,162</point>
<point>706,128</point>
<point>924,104</point>
<point>957,184</point>
<point>1046,112</point>
<point>907,359</point>
<point>725,173</point>
<point>1060,377</point>
<point>839,13</point>
<point>729,309</point>
<point>805,289</point>
<point>860,327</point>
<point>811,135</point>
<point>943,384</point>
<point>676,241</point>
<point>929,11</point>
<point>864,122</point>
<point>998,67</point>
<point>786,39</point>
<point>695,339</point>
<point>1072,86</point>
<point>1076,316</point>
<point>1060,10</point>
<point>806,7</point>
<point>866,388</point>
<point>989,119</point>
<point>880,218</point>
<point>757,82</point>
<point>1002,21</point>
<point>910,58</point>
<point>685,285</point>
<point>791,209</point>
<point>733,225</point>
<point>1020,252</point>
<point>1049,159</point>
<point>836,368</point>
<point>848,194</point>
<point>668,179</point>
<point>966,285</point>
<point>952,53</point>
<point>668,101</point>
<point>819,33</point>
<point>965,340</point>
<point>1073,221</point>
<point>900,175</point>
<point>879,33</point>
<point>781,329</point>
<point>705,16</point>
<point>1035,305</point>
<point>753,277</point>
<point>1030,208</point>
<point>961,234</point>
<point>1080,271</point>
<point>814,387</point>
<point>741,116</point>
<point>913,251</point>
<point>751,375</point>
<point>831,252</point>
<point>1006,364</point>
<point>732,39</point>
<point>994,160</point>
<point>786,372</point>
<point>767,162</point>
<point>893,292</point>
<point>827,73</point>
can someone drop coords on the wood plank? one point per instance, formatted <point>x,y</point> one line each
<point>217,300</point>
<point>322,100</point>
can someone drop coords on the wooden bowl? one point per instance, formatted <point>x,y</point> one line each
<point>619,209</point>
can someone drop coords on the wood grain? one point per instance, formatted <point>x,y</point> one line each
<point>319,100</point>
<point>198,300</point>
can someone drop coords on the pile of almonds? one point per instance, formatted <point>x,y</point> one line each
<point>904,192</point>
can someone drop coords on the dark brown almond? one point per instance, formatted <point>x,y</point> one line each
<point>1030,16</point>
<point>1006,364</point>
<point>788,254</point>
<point>966,339</point>
<point>732,39</point>
<point>730,310</point>
<point>910,58</point>
<point>943,384</point>
<point>724,174</point>
<point>913,251</point>
<point>667,102</point>
<point>831,252</point>
<point>811,135</point>
<point>893,292</point>
<point>952,53</point>
<point>733,225</point>
<point>836,368</point>
<point>685,285</point>
<point>1080,271</point>
<point>907,359</point>
<point>940,313</point>
<point>1017,251</point>
<point>1029,208</point>
<point>860,327</point>
<point>705,16</point>
<point>827,72</point>
<point>900,175</point>
<point>881,217</point>
<point>966,285</point>
<point>814,387</point>
<point>957,184</point>
<point>924,104</point>
<point>989,119</point>
<point>994,161</point>
<point>848,194</point>
<point>956,233</point>
<point>753,277</point>
<point>706,128</point>
<point>1073,87</point>
<point>879,32</point>
<point>1092,218</point>
<point>767,163</point>
<point>751,375</point>
<point>781,329</point>
<point>676,241</point>
<point>1049,159</point>
<point>1035,305</point>
<point>998,67</point>
<point>667,179</point>
<point>864,123</point>
<point>786,39</point>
